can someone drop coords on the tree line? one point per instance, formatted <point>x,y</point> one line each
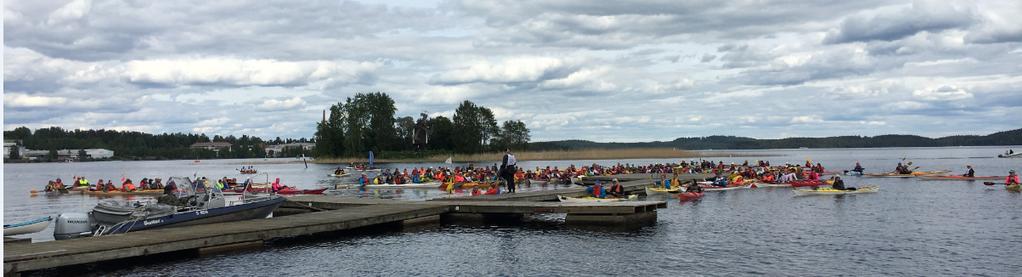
<point>366,122</point>
<point>132,145</point>
<point>1012,137</point>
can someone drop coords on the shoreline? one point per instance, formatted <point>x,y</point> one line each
<point>553,155</point>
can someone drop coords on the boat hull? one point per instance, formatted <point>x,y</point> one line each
<point>27,227</point>
<point>254,210</point>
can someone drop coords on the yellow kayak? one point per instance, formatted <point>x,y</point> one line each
<point>830,191</point>
<point>661,190</point>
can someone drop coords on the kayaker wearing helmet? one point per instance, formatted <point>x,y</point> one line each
<point>971,173</point>
<point>1012,178</point>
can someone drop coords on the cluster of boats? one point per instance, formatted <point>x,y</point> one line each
<point>190,202</point>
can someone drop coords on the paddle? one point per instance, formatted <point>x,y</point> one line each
<point>992,183</point>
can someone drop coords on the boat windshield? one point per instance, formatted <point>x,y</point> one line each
<point>187,187</point>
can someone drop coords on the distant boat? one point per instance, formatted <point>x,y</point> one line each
<point>803,148</point>
<point>449,160</point>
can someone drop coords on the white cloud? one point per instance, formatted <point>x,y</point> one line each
<point>943,93</point>
<point>281,104</point>
<point>241,72</point>
<point>71,11</point>
<point>19,100</point>
<point>510,70</point>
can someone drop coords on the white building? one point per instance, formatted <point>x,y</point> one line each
<point>277,149</point>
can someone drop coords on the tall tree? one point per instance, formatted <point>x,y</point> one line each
<point>441,136</point>
<point>476,126</point>
<point>513,134</point>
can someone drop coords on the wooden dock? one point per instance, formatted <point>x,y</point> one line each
<point>21,257</point>
<point>325,215</point>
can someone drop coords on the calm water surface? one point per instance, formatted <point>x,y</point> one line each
<point>912,227</point>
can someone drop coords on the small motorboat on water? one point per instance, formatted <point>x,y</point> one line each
<point>192,203</point>
<point>27,226</point>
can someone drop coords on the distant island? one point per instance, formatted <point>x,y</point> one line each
<point>1013,137</point>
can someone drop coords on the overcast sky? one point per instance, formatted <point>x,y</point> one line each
<point>595,70</point>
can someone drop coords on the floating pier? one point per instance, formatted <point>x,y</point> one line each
<point>319,214</point>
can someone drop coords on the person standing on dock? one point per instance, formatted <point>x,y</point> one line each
<point>508,169</point>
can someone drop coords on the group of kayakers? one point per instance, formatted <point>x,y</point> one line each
<point>83,183</point>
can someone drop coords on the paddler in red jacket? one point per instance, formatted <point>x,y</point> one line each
<point>1012,178</point>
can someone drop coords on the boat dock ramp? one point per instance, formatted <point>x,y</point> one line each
<point>313,215</point>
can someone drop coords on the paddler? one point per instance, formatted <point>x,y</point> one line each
<point>694,187</point>
<point>1012,178</point>
<point>127,185</point>
<point>617,190</point>
<point>839,184</point>
<point>971,173</point>
<point>858,168</point>
<point>277,186</point>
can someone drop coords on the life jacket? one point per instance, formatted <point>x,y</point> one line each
<point>128,187</point>
<point>1011,180</point>
<point>598,191</point>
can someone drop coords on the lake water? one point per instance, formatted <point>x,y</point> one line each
<point>912,227</point>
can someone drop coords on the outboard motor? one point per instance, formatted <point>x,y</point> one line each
<point>73,225</point>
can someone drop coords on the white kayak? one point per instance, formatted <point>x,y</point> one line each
<point>830,191</point>
<point>339,175</point>
<point>27,227</point>
<point>769,185</point>
<point>590,199</point>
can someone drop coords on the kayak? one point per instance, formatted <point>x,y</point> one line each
<point>284,191</point>
<point>910,175</point>
<point>27,227</point>
<point>830,191</point>
<point>122,193</point>
<point>1014,188</point>
<point>661,190</point>
<point>716,188</point>
<point>339,175</point>
<point>590,199</point>
<point>806,183</point>
<point>465,185</point>
<point>960,178</point>
<point>427,185</point>
<point>248,171</point>
<point>35,193</point>
<point>769,185</point>
<point>689,196</point>
<point>1013,155</point>
<point>291,191</point>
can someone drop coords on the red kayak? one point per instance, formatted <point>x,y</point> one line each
<point>285,191</point>
<point>689,196</point>
<point>806,183</point>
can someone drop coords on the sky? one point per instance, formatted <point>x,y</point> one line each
<point>594,70</point>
